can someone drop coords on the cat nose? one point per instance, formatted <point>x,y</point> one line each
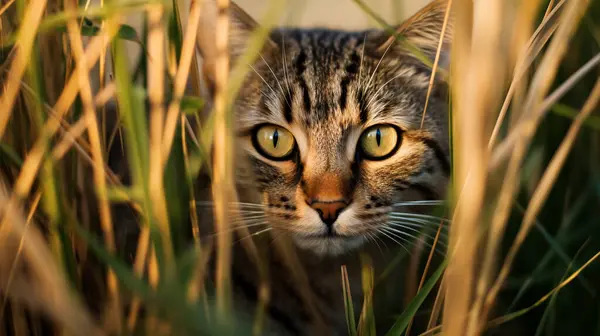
<point>328,210</point>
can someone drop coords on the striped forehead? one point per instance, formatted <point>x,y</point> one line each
<point>328,78</point>
<point>325,66</point>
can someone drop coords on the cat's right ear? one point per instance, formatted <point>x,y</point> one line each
<point>241,26</point>
<point>425,29</point>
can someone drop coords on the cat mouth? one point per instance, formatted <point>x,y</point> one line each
<point>328,243</point>
<point>330,235</point>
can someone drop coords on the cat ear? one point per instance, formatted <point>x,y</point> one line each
<point>423,30</point>
<point>241,26</point>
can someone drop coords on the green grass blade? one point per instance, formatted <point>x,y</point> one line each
<point>593,121</point>
<point>131,109</point>
<point>9,152</point>
<point>50,180</point>
<point>366,325</point>
<point>514,315</point>
<point>555,294</point>
<point>402,322</point>
<point>58,21</point>
<point>190,104</point>
<point>177,192</point>
<point>348,305</point>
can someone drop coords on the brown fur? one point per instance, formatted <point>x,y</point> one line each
<point>326,87</point>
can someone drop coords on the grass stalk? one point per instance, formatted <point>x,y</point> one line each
<point>35,156</point>
<point>45,287</point>
<point>156,71</point>
<point>223,160</point>
<point>426,269</point>
<point>26,39</point>
<point>436,61</point>
<point>476,65</point>
<point>544,187</point>
<point>540,84</point>
<point>113,317</point>
<point>188,52</point>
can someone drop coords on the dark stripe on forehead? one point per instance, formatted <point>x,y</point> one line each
<point>341,42</point>
<point>305,94</point>
<point>344,92</point>
<point>300,65</point>
<point>353,66</point>
<point>351,71</point>
<point>287,105</point>
<point>362,105</point>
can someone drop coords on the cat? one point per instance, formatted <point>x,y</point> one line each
<point>335,156</point>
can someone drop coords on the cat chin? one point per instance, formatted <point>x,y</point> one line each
<point>329,246</point>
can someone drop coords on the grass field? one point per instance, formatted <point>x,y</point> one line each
<point>525,200</point>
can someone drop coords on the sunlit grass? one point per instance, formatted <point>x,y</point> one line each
<point>526,176</point>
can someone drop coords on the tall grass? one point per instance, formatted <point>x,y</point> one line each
<point>88,246</point>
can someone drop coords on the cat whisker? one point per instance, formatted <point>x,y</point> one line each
<point>210,203</point>
<point>362,56</point>
<point>377,66</point>
<point>424,202</point>
<point>241,219</point>
<point>402,232</point>
<point>238,224</point>
<point>418,228</point>
<point>254,234</point>
<point>443,235</point>
<point>416,219</point>
<point>264,81</point>
<point>422,222</point>
<point>417,224</point>
<point>244,221</point>
<point>285,74</point>
<point>276,234</point>
<point>388,235</point>
<point>249,211</point>
<point>396,233</point>
<point>235,229</point>
<point>239,209</point>
<point>415,215</point>
<point>276,79</point>
<point>381,88</point>
<point>372,237</point>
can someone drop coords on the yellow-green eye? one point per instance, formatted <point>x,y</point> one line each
<point>274,142</point>
<point>379,142</point>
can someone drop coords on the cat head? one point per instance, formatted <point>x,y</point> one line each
<point>331,126</point>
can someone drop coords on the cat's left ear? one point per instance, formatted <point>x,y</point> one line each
<point>241,26</point>
<point>424,31</point>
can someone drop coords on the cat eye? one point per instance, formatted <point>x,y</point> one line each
<point>379,142</point>
<point>274,142</point>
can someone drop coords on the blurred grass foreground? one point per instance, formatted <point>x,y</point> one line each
<point>525,211</point>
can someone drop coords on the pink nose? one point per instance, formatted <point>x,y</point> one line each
<point>329,210</point>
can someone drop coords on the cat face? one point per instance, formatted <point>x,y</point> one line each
<point>331,131</point>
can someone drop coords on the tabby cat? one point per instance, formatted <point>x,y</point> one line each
<point>335,156</point>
